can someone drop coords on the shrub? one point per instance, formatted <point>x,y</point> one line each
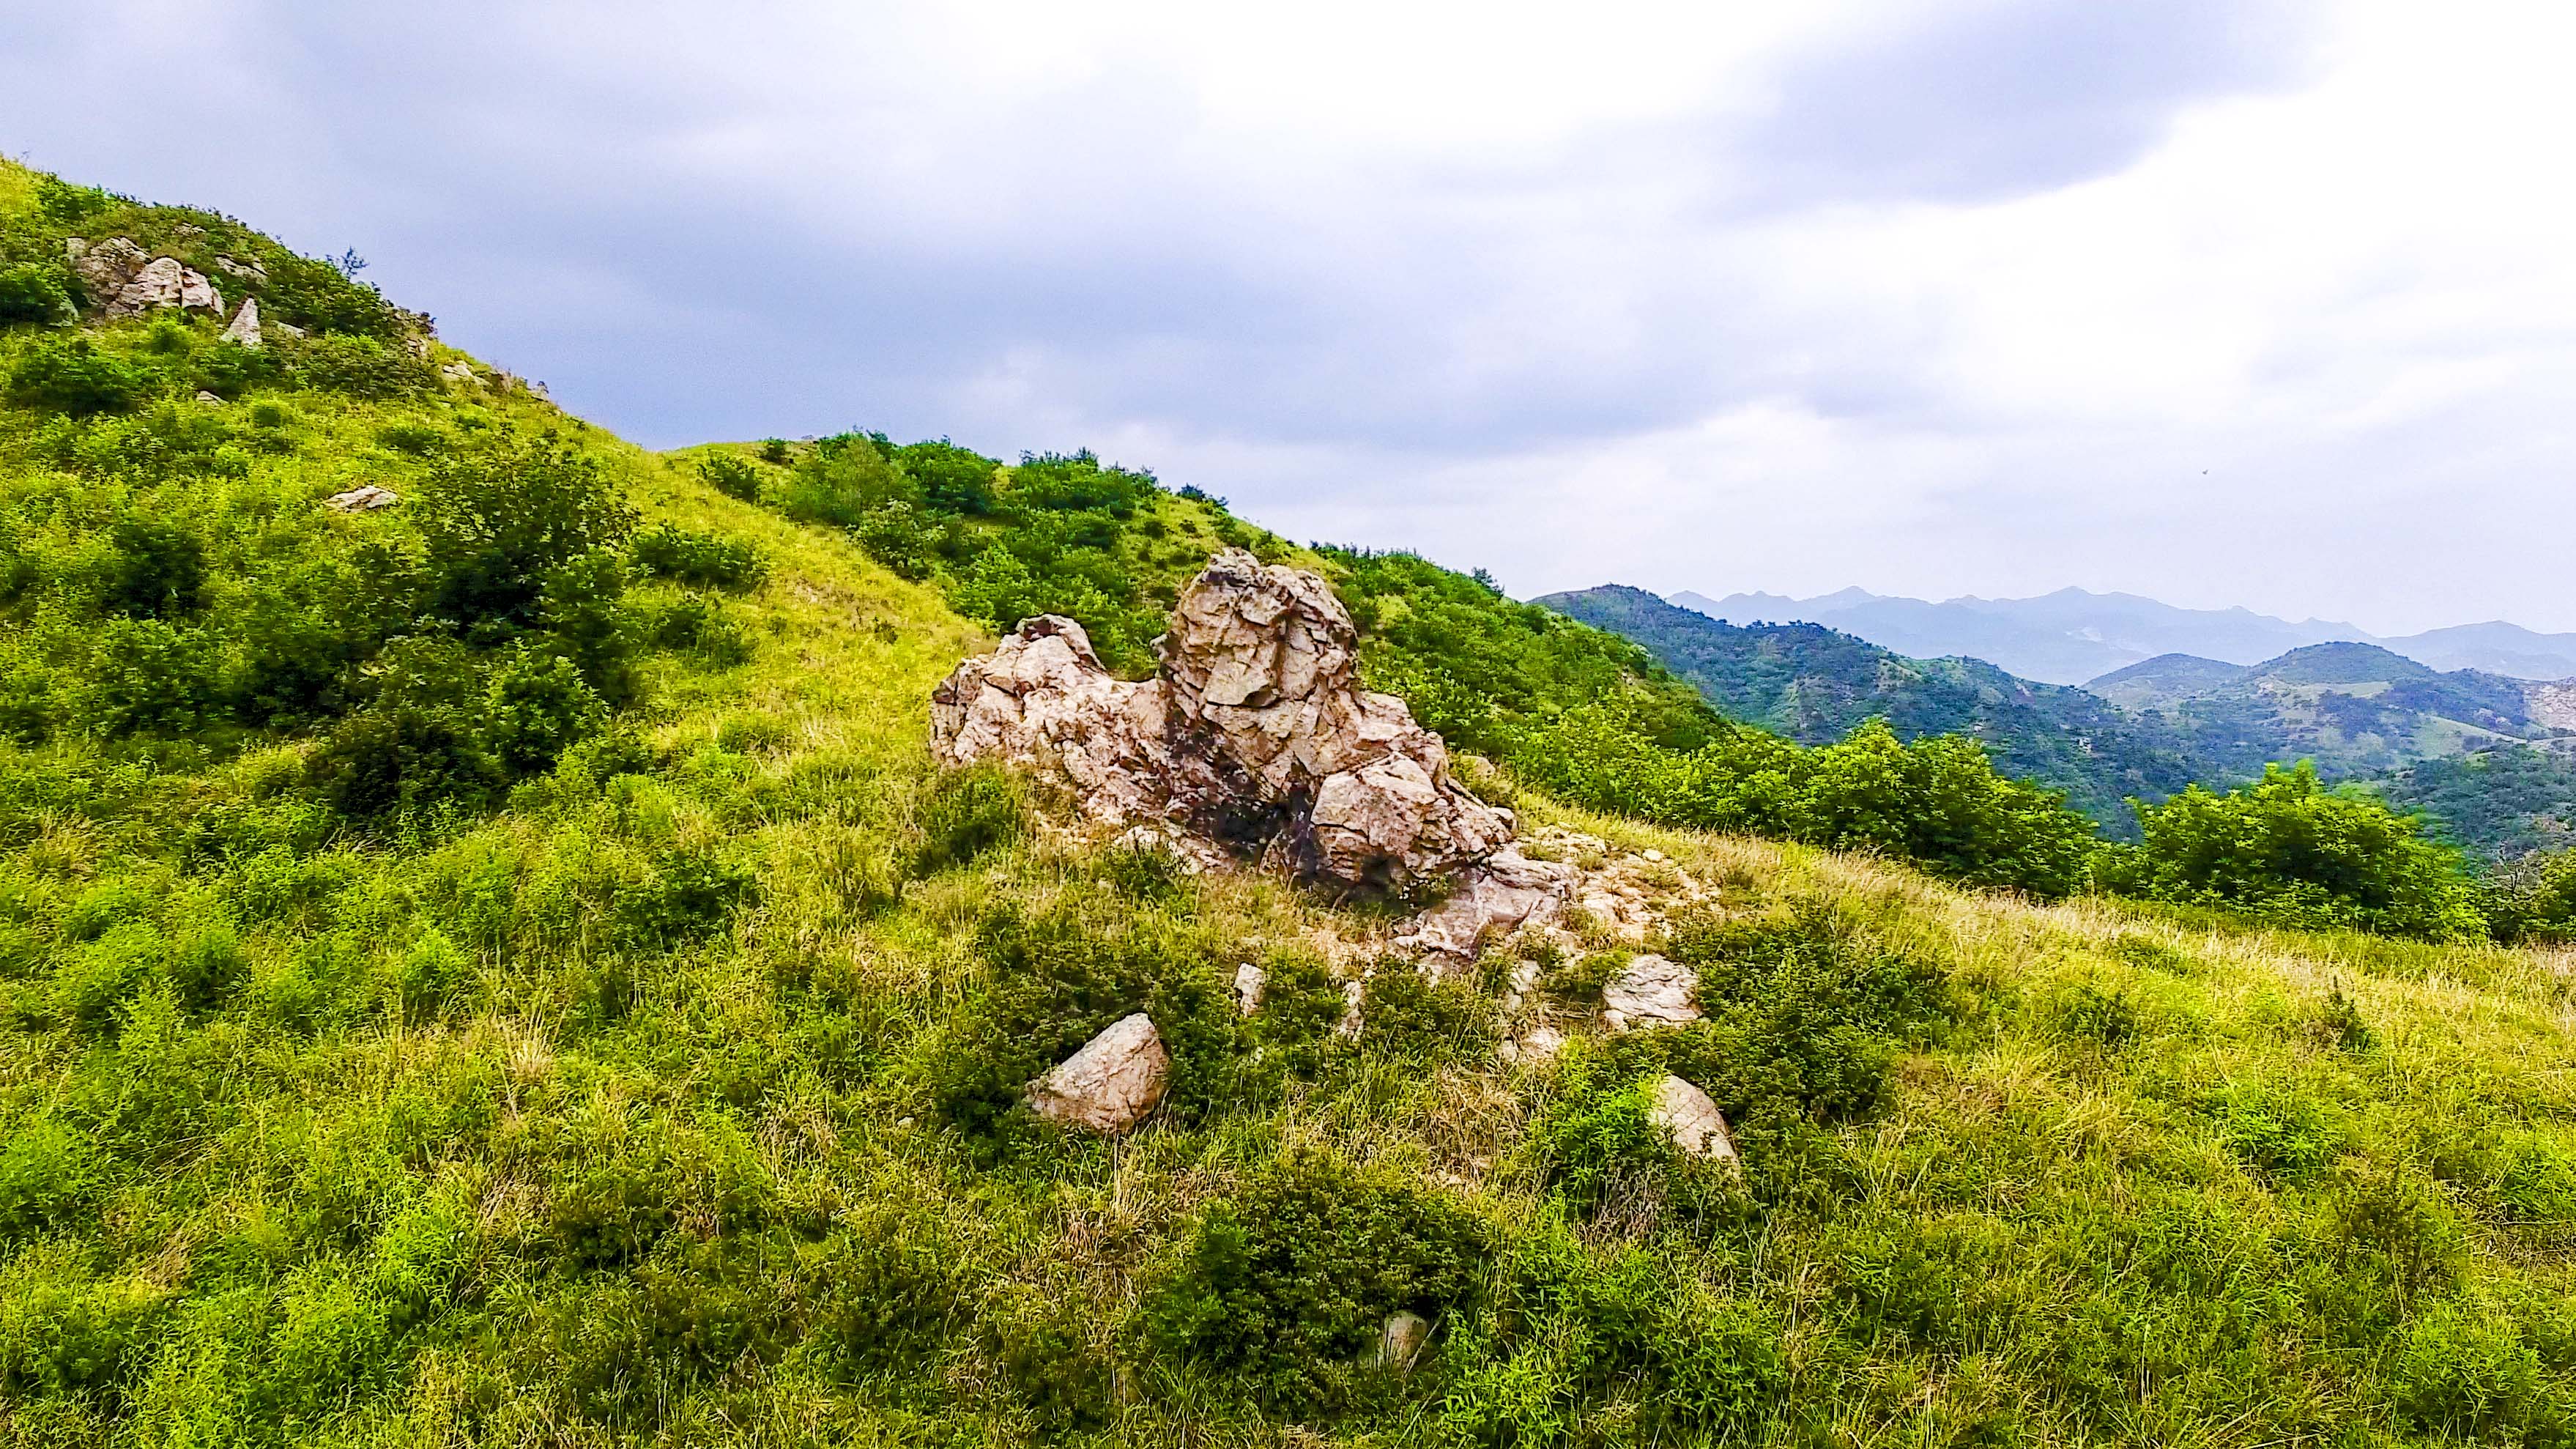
<point>403,757</point>
<point>1285,1284</point>
<point>581,607</point>
<point>733,477</point>
<point>951,478</point>
<point>2532,898</point>
<point>501,518</point>
<point>2288,851</point>
<point>31,292</point>
<point>537,707</point>
<point>690,896</point>
<point>1055,978</point>
<point>968,812</point>
<point>68,375</point>
<point>358,366</point>
<point>774,450</point>
<point>157,569</point>
<point>147,675</point>
<point>672,552</point>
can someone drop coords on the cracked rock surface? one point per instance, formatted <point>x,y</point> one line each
<point>1254,741</point>
<point>1111,1084</point>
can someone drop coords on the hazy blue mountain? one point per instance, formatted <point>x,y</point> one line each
<point>2075,635</point>
<point>1814,684</point>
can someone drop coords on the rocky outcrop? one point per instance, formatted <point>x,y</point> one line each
<point>163,282</point>
<point>1492,898</point>
<point>245,324</point>
<point>1248,982</point>
<point>104,267</point>
<point>1111,1084</point>
<point>1255,740</point>
<point>1685,1115</point>
<point>1650,991</point>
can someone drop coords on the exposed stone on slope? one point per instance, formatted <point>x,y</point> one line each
<point>1492,898</point>
<point>105,267</point>
<point>247,271</point>
<point>1401,1341</point>
<point>245,324</point>
<point>366,498</point>
<point>163,282</point>
<point>1255,740</point>
<point>1650,991</point>
<point>1248,981</point>
<point>1685,1114</point>
<point>1111,1084</point>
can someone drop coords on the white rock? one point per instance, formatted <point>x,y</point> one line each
<point>105,267</point>
<point>1542,1042</point>
<point>204,396</point>
<point>1400,1343</point>
<point>247,271</point>
<point>162,282</point>
<point>1685,1114</point>
<point>289,329</point>
<point>1494,897</point>
<point>1255,738</point>
<point>245,324</point>
<point>1650,991</point>
<point>1352,994</point>
<point>363,499</point>
<point>1248,980</point>
<point>458,372</point>
<point>1111,1084</point>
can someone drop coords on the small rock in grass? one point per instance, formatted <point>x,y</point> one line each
<point>1111,1084</point>
<point>1685,1114</point>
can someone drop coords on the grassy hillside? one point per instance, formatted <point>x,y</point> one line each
<point>1816,685</point>
<point>634,1063</point>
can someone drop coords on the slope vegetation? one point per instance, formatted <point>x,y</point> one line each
<point>564,1008</point>
<point>1816,685</point>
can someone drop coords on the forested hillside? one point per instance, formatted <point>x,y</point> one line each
<point>486,958</point>
<point>1816,685</point>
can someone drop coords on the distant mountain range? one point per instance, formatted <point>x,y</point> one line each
<point>2073,635</point>
<point>1813,684</point>
<point>2359,710</point>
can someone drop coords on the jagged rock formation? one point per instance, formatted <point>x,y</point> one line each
<point>120,277</point>
<point>1495,897</point>
<point>1111,1084</point>
<point>1256,739</point>
<point>245,324</point>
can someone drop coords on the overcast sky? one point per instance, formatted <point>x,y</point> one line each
<point>2210,300</point>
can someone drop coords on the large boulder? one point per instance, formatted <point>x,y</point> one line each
<point>1255,739</point>
<point>1111,1084</point>
<point>163,282</point>
<point>245,324</point>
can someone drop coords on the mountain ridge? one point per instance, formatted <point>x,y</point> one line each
<point>2074,635</point>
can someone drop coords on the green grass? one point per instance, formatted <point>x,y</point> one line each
<point>642,1107</point>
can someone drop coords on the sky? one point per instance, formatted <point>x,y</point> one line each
<point>2217,301</point>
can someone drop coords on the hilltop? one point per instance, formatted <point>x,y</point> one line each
<point>2353,708</point>
<point>491,959</point>
<point>1815,685</point>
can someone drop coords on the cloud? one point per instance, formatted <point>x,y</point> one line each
<point>1931,297</point>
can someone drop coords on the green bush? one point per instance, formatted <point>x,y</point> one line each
<point>502,518</point>
<point>731,476</point>
<point>380,761</point>
<point>158,570</point>
<point>950,478</point>
<point>968,812</point>
<point>690,896</point>
<point>537,707</point>
<point>68,375</point>
<point>1055,978</point>
<point>32,292</point>
<point>2288,851</point>
<point>672,552</point>
<point>357,366</point>
<point>1285,1285</point>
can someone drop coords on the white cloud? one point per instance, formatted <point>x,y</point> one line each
<point>1930,298</point>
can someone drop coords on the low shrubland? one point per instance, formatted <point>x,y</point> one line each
<point>503,969</point>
